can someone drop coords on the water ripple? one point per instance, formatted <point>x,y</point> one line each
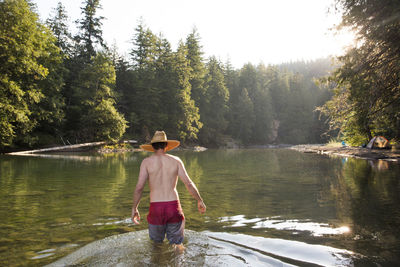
<point>206,249</point>
<point>315,228</point>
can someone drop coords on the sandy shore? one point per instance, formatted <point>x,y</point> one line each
<point>356,152</point>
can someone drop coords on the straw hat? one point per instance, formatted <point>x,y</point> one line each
<point>160,136</point>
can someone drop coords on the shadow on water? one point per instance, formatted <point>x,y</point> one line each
<point>206,249</point>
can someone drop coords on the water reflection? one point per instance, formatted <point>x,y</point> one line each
<point>372,197</point>
<point>50,206</point>
<point>380,165</point>
<point>47,202</point>
<point>294,252</point>
<point>315,229</point>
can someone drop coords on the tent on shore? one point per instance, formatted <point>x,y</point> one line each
<point>378,142</point>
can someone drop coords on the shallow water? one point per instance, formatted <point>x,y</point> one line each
<point>204,249</point>
<point>264,206</point>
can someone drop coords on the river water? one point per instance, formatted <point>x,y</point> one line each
<point>264,206</point>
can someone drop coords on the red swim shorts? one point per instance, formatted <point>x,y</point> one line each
<point>166,218</point>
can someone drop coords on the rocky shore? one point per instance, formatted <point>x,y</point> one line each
<point>355,152</point>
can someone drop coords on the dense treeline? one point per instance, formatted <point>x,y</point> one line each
<point>58,88</point>
<point>54,86</point>
<point>366,98</point>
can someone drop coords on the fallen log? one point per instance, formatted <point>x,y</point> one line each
<point>57,148</point>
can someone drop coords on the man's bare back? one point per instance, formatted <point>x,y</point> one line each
<point>163,176</point>
<point>162,170</point>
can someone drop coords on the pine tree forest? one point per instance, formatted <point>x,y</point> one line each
<point>59,88</point>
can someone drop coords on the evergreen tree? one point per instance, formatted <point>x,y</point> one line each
<point>123,85</point>
<point>186,116</point>
<point>248,80</point>
<point>262,131</point>
<point>50,111</point>
<point>27,55</point>
<point>99,120</point>
<point>143,53</point>
<point>145,97</point>
<point>164,75</point>
<point>295,124</point>
<point>367,97</point>
<point>58,24</point>
<point>159,88</point>
<point>113,54</point>
<point>82,54</point>
<point>244,118</point>
<point>231,78</point>
<point>90,30</point>
<point>214,113</point>
<point>123,79</point>
<point>198,69</point>
<point>278,87</point>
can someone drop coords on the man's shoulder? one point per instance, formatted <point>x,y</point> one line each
<point>172,157</point>
<point>147,160</point>
<point>151,158</point>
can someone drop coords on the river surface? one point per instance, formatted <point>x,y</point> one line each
<point>264,206</point>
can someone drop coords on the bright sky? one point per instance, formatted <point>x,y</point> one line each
<point>267,31</point>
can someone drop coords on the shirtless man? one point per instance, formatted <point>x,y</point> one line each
<point>162,171</point>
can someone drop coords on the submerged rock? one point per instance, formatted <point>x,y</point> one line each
<point>205,249</point>
<point>135,249</point>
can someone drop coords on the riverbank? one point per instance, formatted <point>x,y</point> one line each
<point>355,152</point>
<point>347,151</point>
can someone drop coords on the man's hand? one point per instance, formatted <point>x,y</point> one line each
<point>201,206</point>
<point>135,216</point>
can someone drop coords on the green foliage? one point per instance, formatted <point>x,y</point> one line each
<point>353,135</point>
<point>54,87</point>
<point>244,118</point>
<point>27,56</point>
<point>215,104</point>
<point>160,91</point>
<point>150,58</point>
<point>297,116</point>
<point>367,94</point>
<point>198,70</point>
<point>117,147</point>
<point>99,119</point>
<point>334,142</point>
<point>262,108</point>
<point>58,24</point>
<point>144,51</point>
<point>187,114</point>
<point>90,30</point>
<point>103,122</point>
<point>281,104</point>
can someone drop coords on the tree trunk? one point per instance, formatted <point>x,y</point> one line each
<point>57,148</point>
<point>368,131</point>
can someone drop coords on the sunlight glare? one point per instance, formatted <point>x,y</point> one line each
<point>253,31</point>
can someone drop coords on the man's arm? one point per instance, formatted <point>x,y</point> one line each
<point>143,175</point>
<point>191,187</point>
